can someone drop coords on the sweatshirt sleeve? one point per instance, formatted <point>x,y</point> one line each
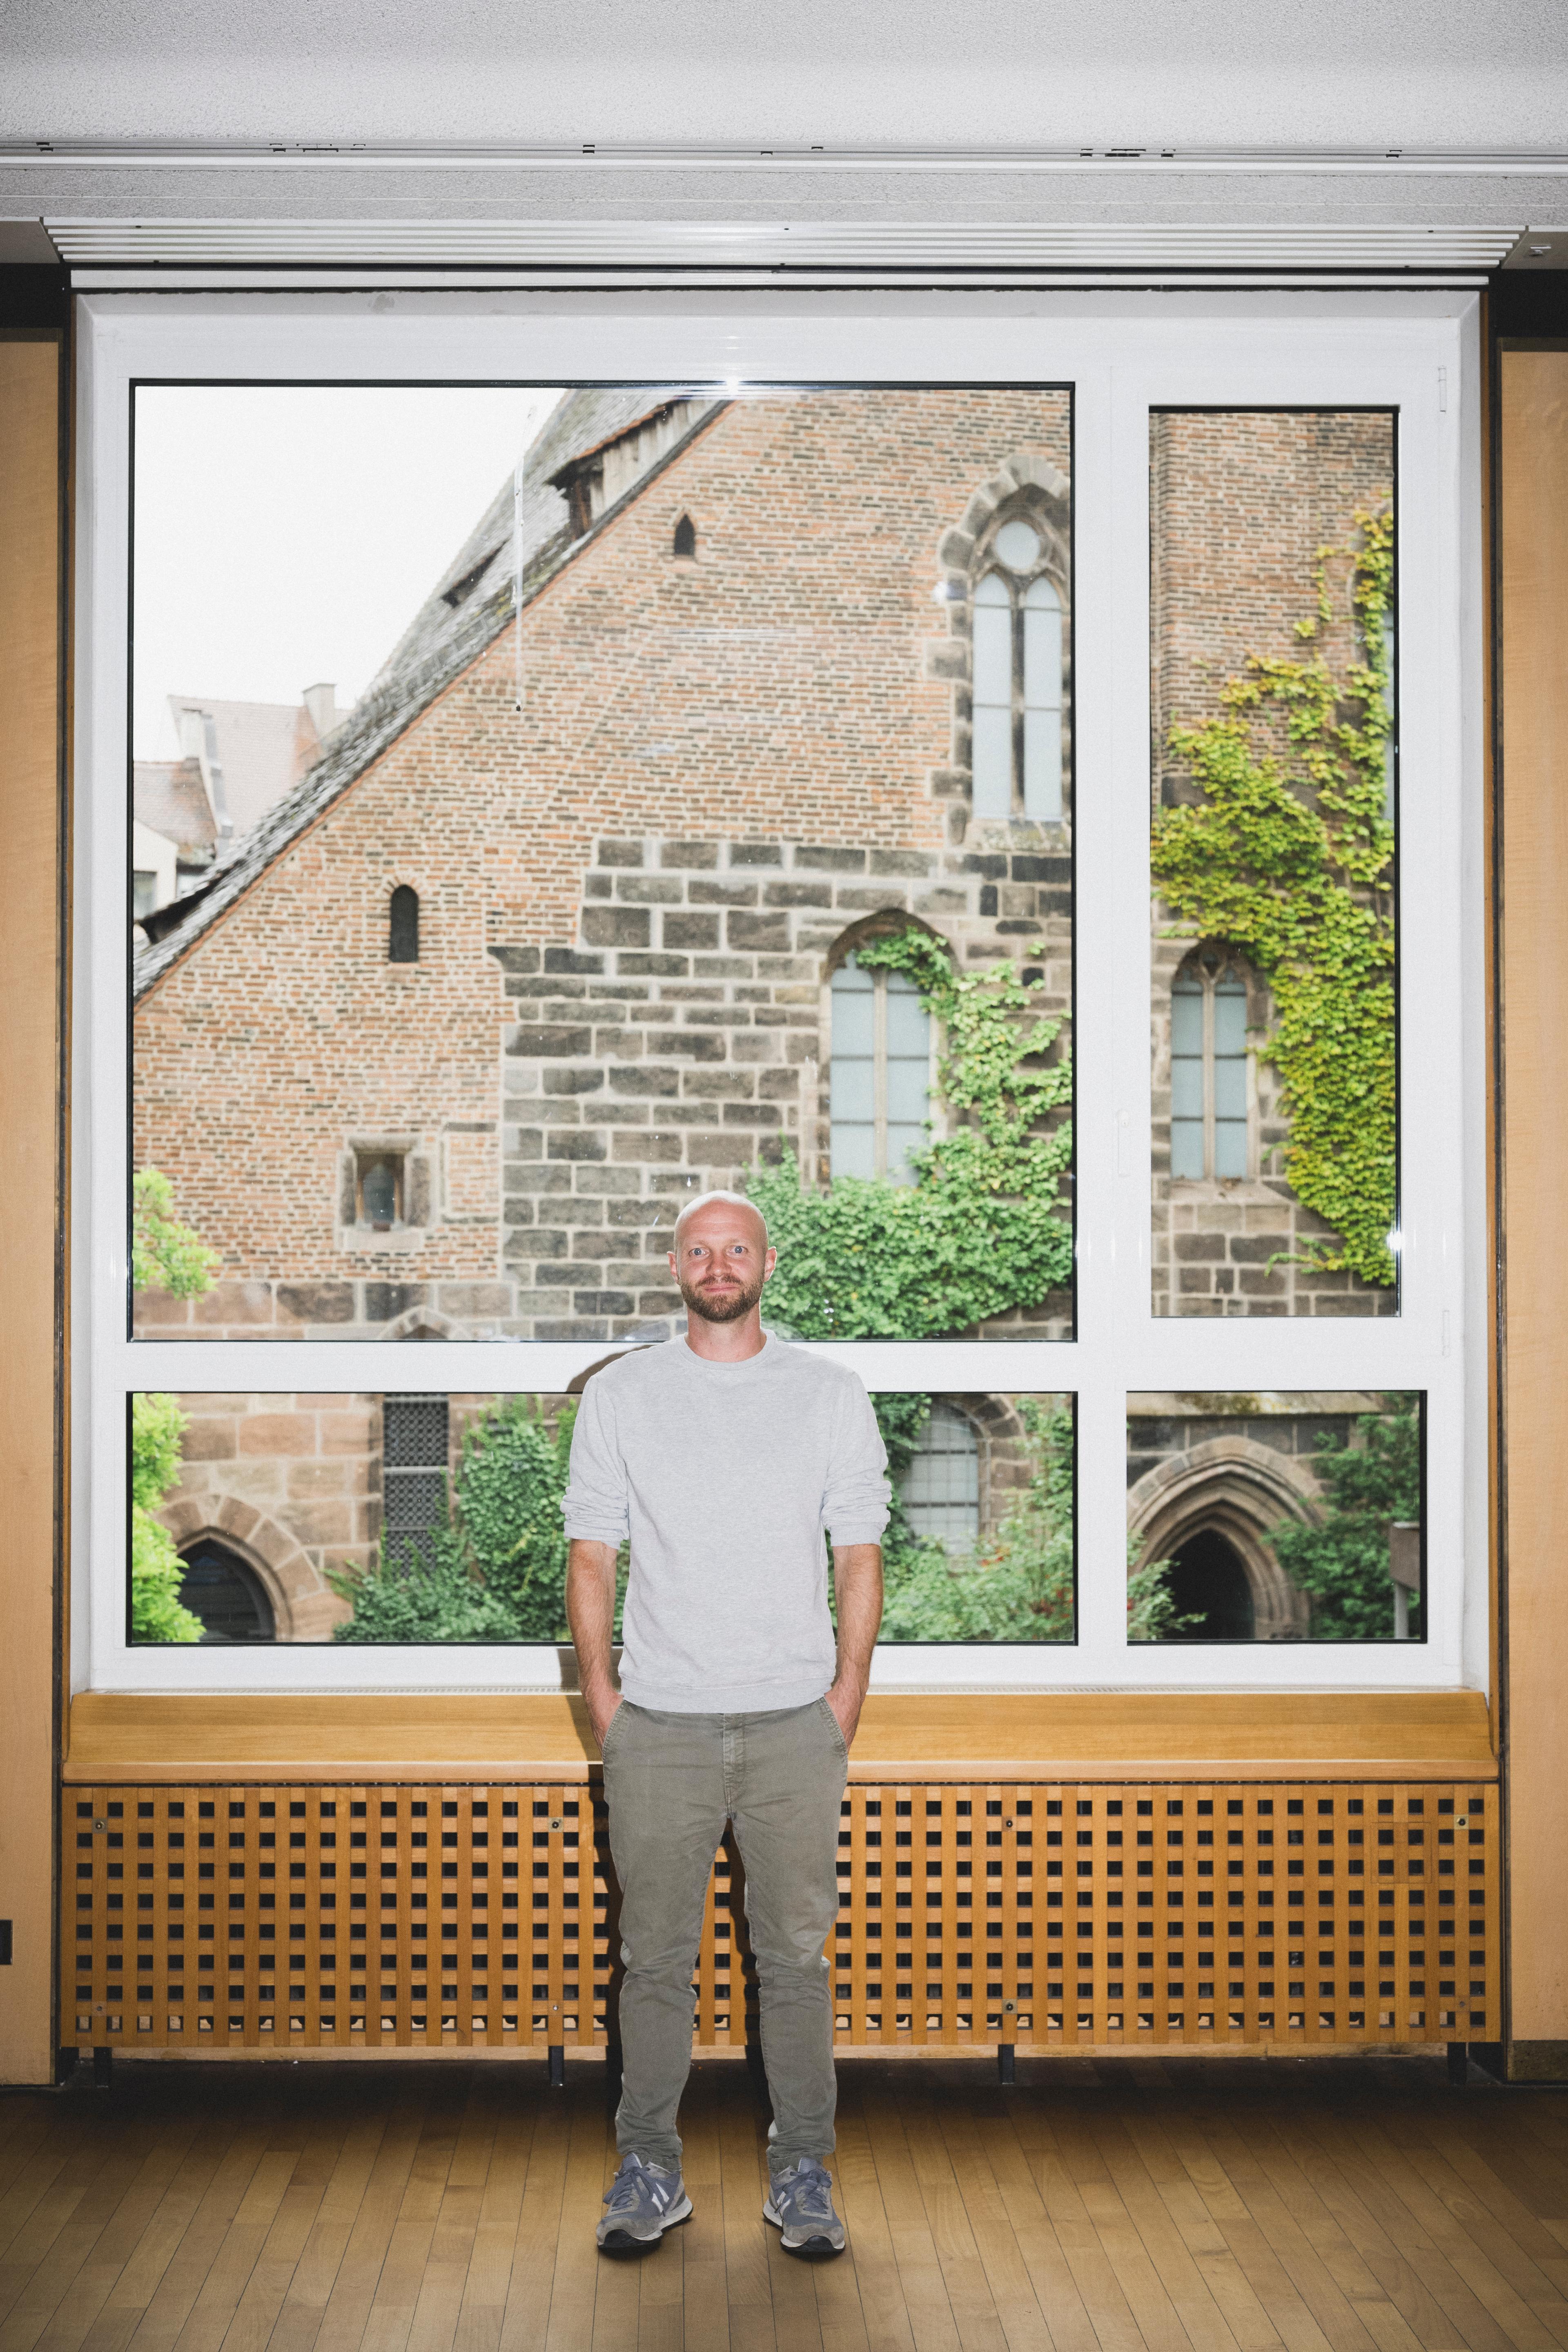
<point>854,1506</point>
<point>594,1505</point>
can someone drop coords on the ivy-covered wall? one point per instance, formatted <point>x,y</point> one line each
<point>1272,678</point>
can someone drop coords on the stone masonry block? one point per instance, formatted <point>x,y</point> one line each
<point>693,1044</point>
<point>1194,1248</point>
<point>758,930</point>
<point>516,959</point>
<point>689,854</point>
<point>643,1078</point>
<point>756,853</point>
<point>317,1302</point>
<point>579,1144</point>
<point>718,1086</point>
<point>553,1038</point>
<point>901,861</point>
<point>570,960</point>
<point>584,1078</point>
<point>819,859</point>
<point>620,853</point>
<point>646,1148</point>
<point>616,927</point>
<point>741,1114</point>
<point>654,967</point>
<point>689,931</point>
<point>721,894</point>
<point>799,894</point>
<point>648,890</point>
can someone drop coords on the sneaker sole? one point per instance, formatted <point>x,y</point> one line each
<point>809,2249</point>
<point>621,2242</point>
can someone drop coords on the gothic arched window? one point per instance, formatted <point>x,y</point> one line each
<point>685,548</point>
<point>402,926</point>
<point>1210,1126</point>
<point>1016,699</point>
<point>226,1593</point>
<point>880,1079</point>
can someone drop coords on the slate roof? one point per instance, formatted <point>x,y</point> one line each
<point>440,641</point>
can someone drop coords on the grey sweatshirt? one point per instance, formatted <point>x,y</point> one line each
<point>724,1477</point>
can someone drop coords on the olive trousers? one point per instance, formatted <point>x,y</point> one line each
<point>672,1782</point>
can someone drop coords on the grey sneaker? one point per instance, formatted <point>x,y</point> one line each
<point>800,2205</point>
<point>643,2201</point>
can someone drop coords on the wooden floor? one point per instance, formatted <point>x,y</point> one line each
<point>1326,2205</point>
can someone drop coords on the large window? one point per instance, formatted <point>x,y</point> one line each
<point>971,806</point>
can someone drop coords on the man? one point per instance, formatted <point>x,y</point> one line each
<point>723,1457</point>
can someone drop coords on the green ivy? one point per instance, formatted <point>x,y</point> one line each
<point>157,1571</point>
<point>1342,1564</point>
<point>983,1228</point>
<point>1290,857</point>
<point>164,1253</point>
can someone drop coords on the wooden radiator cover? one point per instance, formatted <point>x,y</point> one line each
<point>1158,1915</point>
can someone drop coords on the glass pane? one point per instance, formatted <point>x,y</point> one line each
<point>287,1519</point>
<point>1275,1517</point>
<point>909,1024</point>
<point>1273,862</point>
<point>468,968</point>
<point>993,742</point>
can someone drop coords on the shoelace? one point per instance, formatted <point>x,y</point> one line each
<point>810,2192</point>
<point>626,2190</point>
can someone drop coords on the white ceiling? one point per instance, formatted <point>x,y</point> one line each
<point>987,73</point>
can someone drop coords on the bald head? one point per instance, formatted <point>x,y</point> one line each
<point>731,1202</point>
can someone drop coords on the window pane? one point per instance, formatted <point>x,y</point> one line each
<point>1273,860</point>
<point>475,963</point>
<point>1042,702</point>
<point>1275,1517</point>
<point>294,1518</point>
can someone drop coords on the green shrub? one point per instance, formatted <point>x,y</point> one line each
<point>157,1572</point>
<point>1343,1563</point>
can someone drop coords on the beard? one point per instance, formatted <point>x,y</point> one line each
<point>725,1306</point>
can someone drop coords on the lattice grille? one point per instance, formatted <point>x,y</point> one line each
<point>1161,1916</point>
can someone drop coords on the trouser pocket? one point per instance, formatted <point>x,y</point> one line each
<point>833,1725</point>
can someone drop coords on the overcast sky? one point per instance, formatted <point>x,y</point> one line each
<point>288,535</point>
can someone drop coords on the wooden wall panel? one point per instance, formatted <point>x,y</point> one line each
<point>30,561</point>
<point>1130,1914</point>
<point>1533,441</point>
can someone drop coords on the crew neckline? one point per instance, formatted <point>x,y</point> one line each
<point>771,1352</point>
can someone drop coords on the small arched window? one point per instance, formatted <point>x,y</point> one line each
<point>1016,620</point>
<point>402,926</point>
<point>941,1488</point>
<point>685,540</point>
<point>879,1079</point>
<point>226,1593</point>
<point>1210,1126</point>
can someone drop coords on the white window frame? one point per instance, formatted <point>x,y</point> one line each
<point>1413,352</point>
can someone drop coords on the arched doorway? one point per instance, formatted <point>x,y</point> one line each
<point>227,1594</point>
<point>1208,1582</point>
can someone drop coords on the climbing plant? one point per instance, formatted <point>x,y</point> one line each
<point>983,1228</point>
<point>1289,856</point>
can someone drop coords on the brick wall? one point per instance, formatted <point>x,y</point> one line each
<point>629,894</point>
